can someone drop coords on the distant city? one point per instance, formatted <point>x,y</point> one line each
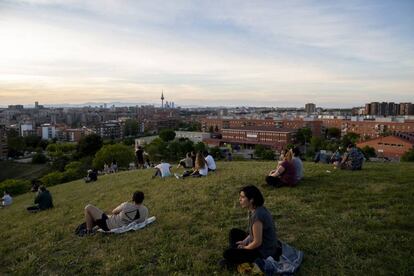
<point>247,126</point>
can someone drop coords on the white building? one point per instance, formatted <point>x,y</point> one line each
<point>26,129</point>
<point>48,131</point>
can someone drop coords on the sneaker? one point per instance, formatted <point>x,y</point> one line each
<point>177,176</point>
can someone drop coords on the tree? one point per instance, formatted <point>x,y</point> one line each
<point>316,143</point>
<point>349,138</point>
<point>200,147</point>
<point>368,152</point>
<point>259,150</point>
<point>39,158</point>
<point>32,141</point>
<point>303,135</point>
<point>89,145</point>
<point>333,132</point>
<point>216,129</point>
<point>15,143</point>
<point>122,154</point>
<point>156,149</point>
<point>211,129</point>
<point>408,156</point>
<point>167,134</point>
<point>131,128</point>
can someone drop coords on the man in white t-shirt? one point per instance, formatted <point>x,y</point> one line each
<point>7,199</point>
<point>210,162</point>
<point>163,169</point>
<point>122,215</point>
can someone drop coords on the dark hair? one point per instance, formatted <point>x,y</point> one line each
<point>296,151</point>
<point>138,197</point>
<point>42,188</point>
<point>252,192</point>
<point>350,145</point>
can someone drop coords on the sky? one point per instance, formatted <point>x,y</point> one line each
<point>207,53</point>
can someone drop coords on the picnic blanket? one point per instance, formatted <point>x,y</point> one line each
<point>132,226</point>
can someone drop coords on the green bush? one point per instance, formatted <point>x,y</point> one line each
<point>15,186</point>
<point>39,158</point>
<point>408,156</point>
<point>122,154</point>
<point>53,178</point>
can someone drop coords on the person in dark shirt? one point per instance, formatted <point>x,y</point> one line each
<point>261,239</point>
<point>43,200</point>
<point>284,174</point>
<point>140,157</point>
<point>352,159</point>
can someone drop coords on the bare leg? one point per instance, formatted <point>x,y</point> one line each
<point>92,214</point>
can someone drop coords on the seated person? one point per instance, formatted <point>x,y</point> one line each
<point>336,157</point>
<point>200,168</point>
<point>261,239</point>
<point>122,215</point>
<point>352,160</point>
<point>92,176</point>
<point>284,174</point>
<point>7,199</point>
<point>162,170</point>
<point>187,162</point>
<point>43,200</point>
<point>211,164</point>
<point>297,162</point>
<point>35,185</point>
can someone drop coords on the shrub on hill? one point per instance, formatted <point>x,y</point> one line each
<point>408,156</point>
<point>53,178</point>
<point>39,158</point>
<point>15,186</point>
<point>122,154</point>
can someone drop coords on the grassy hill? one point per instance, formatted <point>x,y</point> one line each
<point>346,223</point>
<point>10,169</point>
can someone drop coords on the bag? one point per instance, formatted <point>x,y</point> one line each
<point>81,230</point>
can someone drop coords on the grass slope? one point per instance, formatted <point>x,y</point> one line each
<point>346,223</point>
<point>11,169</point>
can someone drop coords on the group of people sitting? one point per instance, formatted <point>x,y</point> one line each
<point>289,170</point>
<point>351,160</point>
<point>198,164</point>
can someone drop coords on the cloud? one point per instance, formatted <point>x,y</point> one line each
<point>224,51</point>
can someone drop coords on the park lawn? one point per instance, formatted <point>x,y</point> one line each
<point>347,223</point>
<point>15,170</point>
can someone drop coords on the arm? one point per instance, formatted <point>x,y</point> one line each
<point>277,172</point>
<point>118,209</point>
<point>257,236</point>
<point>243,242</point>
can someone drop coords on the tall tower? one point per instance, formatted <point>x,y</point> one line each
<point>162,99</point>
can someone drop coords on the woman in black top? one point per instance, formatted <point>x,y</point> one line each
<point>261,239</point>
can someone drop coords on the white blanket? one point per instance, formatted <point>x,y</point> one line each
<point>132,226</point>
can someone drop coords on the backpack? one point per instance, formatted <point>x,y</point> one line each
<point>81,230</point>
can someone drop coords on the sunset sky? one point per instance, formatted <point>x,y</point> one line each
<point>252,53</point>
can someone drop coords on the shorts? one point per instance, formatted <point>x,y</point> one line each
<point>102,222</point>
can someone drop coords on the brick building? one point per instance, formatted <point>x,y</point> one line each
<point>249,136</point>
<point>219,124</point>
<point>371,129</point>
<point>391,146</point>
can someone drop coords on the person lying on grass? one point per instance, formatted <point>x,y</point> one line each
<point>122,215</point>
<point>260,241</point>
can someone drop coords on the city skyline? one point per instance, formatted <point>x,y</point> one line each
<point>231,53</point>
